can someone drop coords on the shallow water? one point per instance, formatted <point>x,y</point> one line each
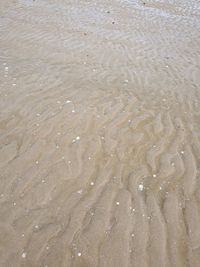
<point>99,133</point>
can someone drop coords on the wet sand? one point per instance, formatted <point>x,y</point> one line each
<point>99,133</point>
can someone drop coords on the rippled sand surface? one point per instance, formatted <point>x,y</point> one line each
<point>99,133</point>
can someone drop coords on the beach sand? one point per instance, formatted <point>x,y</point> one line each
<point>99,133</point>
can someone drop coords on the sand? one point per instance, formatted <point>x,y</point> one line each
<point>99,133</point>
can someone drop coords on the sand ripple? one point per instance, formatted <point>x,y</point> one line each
<point>99,133</point>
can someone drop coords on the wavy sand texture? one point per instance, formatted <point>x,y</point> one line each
<point>99,133</point>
